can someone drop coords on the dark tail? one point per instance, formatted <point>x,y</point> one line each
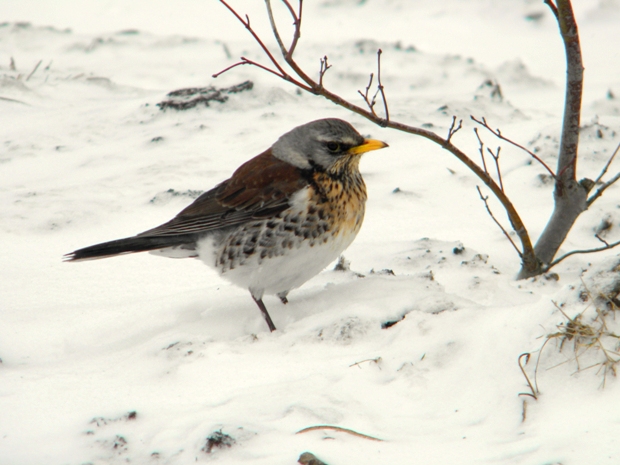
<point>130,245</point>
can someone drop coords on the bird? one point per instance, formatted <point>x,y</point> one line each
<point>279,220</point>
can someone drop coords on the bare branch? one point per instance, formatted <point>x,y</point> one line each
<point>453,130</point>
<point>246,23</point>
<point>554,9</point>
<point>573,252</point>
<point>602,189</point>
<point>496,159</point>
<point>602,240</point>
<point>281,73</point>
<point>486,204</point>
<point>245,61</point>
<point>371,104</point>
<point>530,262</point>
<point>569,139</point>
<point>323,70</point>
<point>296,23</point>
<point>481,150</point>
<point>380,86</point>
<point>609,162</point>
<point>497,133</point>
<point>570,196</point>
<point>274,27</point>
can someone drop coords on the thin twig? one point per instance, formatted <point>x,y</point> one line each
<point>602,189</point>
<point>380,86</point>
<point>246,23</point>
<point>497,133</point>
<point>280,73</point>
<point>380,90</point>
<point>486,204</point>
<point>371,104</point>
<point>453,130</point>
<point>245,61</point>
<point>338,428</point>
<point>34,70</point>
<point>611,159</point>
<point>296,23</point>
<point>481,150</point>
<point>274,28</point>
<point>554,9</point>
<point>573,252</point>
<point>323,69</point>
<point>602,240</point>
<point>495,157</point>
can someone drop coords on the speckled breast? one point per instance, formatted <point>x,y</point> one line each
<point>327,215</point>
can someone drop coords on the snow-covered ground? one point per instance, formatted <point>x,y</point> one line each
<point>86,156</point>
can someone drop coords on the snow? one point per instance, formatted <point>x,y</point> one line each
<point>86,156</point>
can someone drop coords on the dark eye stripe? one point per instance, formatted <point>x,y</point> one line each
<point>337,147</point>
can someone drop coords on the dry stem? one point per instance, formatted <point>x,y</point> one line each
<point>376,360</point>
<point>585,336</point>
<point>454,128</point>
<point>584,251</point>
<point>486,204</point>
<point>606,167</point>
<point>497,133</point>
<point>533,392</point>
<point>338,428</point>
<point>34,70</point>
<point>602,189</point>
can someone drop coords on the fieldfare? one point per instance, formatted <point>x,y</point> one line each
<point>280,219</point>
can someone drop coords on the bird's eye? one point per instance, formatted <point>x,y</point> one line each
<point>333,146</point>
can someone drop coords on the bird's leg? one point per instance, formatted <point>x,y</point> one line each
<point>263,310</point>
<point>282,296</point>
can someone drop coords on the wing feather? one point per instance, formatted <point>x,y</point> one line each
<point>261,187</point>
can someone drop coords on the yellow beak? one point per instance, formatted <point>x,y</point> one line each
<point>367,146</point>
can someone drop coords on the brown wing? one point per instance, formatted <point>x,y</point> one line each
<point>260,188</point>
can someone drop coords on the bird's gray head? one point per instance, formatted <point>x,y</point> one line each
<point>322,144</point>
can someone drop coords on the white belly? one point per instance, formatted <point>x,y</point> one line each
<point>277,255</point>
<point>284,272</point>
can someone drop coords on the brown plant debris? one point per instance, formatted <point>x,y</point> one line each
<point>184,99</point>
<point>218,440</point>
